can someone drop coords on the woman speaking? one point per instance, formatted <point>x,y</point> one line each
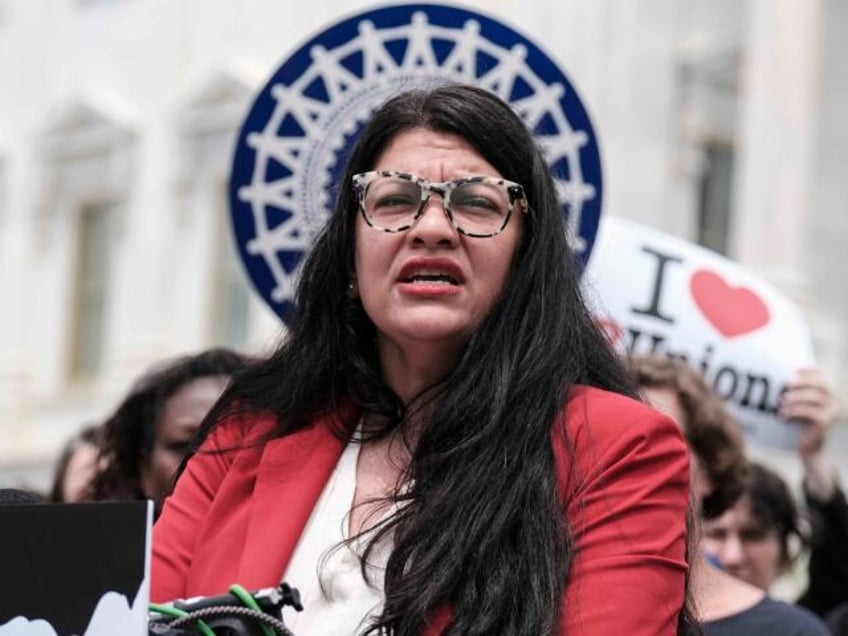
<point>444,442</point>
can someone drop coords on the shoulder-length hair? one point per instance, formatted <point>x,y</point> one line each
<point>486,447</point>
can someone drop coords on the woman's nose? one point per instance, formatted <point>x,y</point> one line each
<point>434,225</point>
<point>732,552</point>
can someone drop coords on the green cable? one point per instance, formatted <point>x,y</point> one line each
<point>176,612</point>
<point>244,596</point>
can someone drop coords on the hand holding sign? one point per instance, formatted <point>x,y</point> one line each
<point>655,293</point>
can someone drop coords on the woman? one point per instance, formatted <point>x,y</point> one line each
<point>444,443</point>
<point>148,435</point>
<point>726,605</point>
<point>760,536</point>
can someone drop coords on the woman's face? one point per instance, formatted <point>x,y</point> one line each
<point>743,547</point>
<point>181,417</point>
<point>391,268</point>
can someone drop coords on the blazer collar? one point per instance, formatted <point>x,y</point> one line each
<point>290,477</point>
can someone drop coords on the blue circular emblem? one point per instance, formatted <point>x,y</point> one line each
<point>293,144</point>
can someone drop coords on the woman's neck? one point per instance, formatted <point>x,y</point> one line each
<point>413,367</point>
<point>718,594</point>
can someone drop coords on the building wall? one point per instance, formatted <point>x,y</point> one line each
<point>136,103</point>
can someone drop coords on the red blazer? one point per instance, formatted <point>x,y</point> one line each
<point>236,515</point>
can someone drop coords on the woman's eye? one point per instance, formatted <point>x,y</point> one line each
<point>478,202</point>
<point>753,535</point>
<point>478,198</point>
<point>716,534</point>
<point>180,447</point>
<point>395,200</point>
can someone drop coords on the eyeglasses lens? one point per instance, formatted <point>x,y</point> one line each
<point>392,203</point>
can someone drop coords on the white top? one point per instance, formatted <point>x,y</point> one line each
<point>336,599</point>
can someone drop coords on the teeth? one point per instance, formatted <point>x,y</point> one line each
<point>429,272</point>
<point>431,277</point>
<point>440,281</point>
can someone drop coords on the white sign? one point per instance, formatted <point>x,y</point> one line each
<point>655,293</point>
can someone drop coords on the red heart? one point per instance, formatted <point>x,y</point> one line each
<point>731,310</point>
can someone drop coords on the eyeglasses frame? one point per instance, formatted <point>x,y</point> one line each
<point>361,181</point>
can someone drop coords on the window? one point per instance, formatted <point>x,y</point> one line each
<point>714,197</point>
<point>231,286</point>
<point>93,260</point>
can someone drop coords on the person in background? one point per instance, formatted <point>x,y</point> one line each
<point>76,467</point>
<point>837,620</point>
<point>759,537</point>
<point>726,605</point>
<point>149,433</point>
<point>811,400</point>
<point>445,443</point>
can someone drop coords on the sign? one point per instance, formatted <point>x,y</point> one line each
<point>295,140</point>
<point>75,569</point>
<point>657,294</point>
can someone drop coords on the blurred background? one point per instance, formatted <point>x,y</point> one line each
<point>720,121</point>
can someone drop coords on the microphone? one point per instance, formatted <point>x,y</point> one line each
<point>270,599</point>
<point>238,613</point>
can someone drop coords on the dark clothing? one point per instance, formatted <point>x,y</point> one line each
<point>770,618</point>
<point>828,569</point>
<point>837,620</point>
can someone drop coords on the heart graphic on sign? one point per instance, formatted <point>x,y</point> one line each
<point>733,311</point>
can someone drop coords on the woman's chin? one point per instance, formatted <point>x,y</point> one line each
<point>433,330</point>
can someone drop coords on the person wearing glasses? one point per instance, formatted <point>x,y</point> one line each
<point>444,443</point>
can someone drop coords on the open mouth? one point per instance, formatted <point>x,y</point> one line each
<point>439,278</point>
<point>431,271</point>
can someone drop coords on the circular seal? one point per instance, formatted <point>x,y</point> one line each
<point>293,144</point>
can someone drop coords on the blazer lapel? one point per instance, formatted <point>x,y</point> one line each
<point>290,478</point>
<point>291,475</point>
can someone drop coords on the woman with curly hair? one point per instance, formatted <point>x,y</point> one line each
<point>147,436</point>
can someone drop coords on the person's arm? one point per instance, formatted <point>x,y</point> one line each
<point>828,565</point>
<point>176,531</point>
<point>628,515</point>
<point>810,399</point>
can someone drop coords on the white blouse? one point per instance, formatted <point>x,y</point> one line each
<point>337,601</point>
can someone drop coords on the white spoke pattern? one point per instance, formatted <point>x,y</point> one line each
<point>314,116</point>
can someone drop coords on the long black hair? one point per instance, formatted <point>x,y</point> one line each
<point>484,458</point>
